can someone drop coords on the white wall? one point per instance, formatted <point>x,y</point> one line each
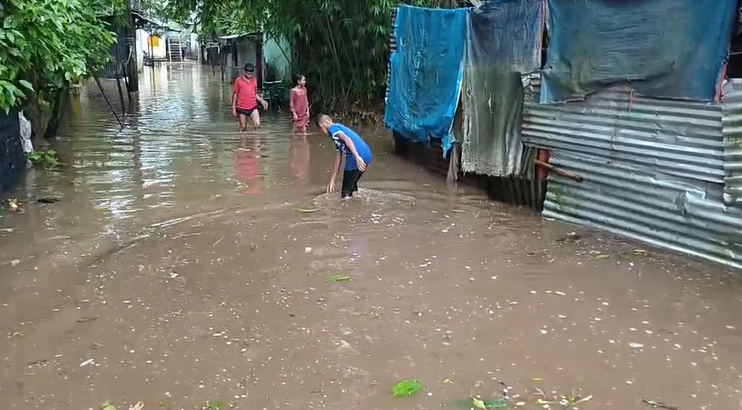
<point>142,38</point>
<point>141,41</point>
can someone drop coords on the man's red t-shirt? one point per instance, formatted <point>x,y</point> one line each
<point>247,92</point>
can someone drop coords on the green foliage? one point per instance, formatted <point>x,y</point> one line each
<point>46,43</point>
<point>46,159</point>
<point>342,46</point>
<point>406,387</point>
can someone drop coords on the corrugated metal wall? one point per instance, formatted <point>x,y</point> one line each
<point>673,137</point>
<point>732,125</point>
<point>647,206</point>
<point>653,170</point>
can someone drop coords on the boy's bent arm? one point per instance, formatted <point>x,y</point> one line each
<point>348,143</point>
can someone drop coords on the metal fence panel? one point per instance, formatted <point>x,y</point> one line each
<point>677,138</point>
<point>732,125</point>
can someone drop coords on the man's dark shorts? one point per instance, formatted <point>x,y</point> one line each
<point>244,112</point>
<point>350,182</point>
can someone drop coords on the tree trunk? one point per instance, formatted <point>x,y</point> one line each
<point>56,113</point>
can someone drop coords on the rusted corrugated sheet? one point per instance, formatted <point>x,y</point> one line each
<point>653,170</point>
<point>647,206</point>
<point>732,125</point>
<point>673,137</point>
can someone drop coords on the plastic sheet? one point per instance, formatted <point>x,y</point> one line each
<point>503,43</point>
<point>665,48</point>
<point>426,73</point>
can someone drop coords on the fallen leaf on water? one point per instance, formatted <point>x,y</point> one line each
<point>215,405</point>
<point>537,379</point>
<point>406,387</point>
<point>447,381</point>
<point>602,256</point>
<point>339,278</point>
<point>479,404</point>
<point>108,406</point>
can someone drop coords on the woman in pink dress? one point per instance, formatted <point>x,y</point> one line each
<point>300,105</point>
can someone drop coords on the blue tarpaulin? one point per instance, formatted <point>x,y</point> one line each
<point>426,73</point>
<point>503,43</point>
<point>665,48</point>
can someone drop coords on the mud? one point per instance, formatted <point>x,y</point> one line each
<point>189,265</point>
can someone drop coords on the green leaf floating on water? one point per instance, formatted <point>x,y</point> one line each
<point>339,278</point>
<point>108,406</point>
<point>406,387</point>
<point>215,405</point>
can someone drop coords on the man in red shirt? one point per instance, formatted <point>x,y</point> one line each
<point>245,98</point>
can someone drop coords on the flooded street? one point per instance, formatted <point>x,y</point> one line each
<point>191,266</point>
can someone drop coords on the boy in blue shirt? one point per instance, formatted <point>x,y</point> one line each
<point>357,155</point>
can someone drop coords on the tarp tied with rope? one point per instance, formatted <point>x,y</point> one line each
<point>503,43</point>
<point>665,48</point>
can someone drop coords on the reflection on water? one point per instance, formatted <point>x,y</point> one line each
<point>179,148</point>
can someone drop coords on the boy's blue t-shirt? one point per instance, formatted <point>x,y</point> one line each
<point>363,150</point>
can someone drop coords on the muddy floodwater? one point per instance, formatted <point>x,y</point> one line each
<point>189,266</point>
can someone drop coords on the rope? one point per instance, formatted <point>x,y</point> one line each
<point>123,64</point>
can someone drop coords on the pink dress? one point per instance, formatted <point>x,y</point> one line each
<point>300,106</point>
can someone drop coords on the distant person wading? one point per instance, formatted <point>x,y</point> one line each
<point>245,98</point>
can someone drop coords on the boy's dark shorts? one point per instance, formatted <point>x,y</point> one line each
<point>350,182</point>
<point>246,113</point>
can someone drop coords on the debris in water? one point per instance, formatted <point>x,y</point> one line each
<point>339,278</point>
<point>87,362</point>
<point>602,256</point>
<point>14,205</point>
<point>584,399</point>
<point>479,404</point>
<point>406,387</point>
<point>215,405</point>
<point>108,406</point>
<point>306,210</point>
<point>659,405</point>
<point>635,345</point>
<point>138,406</point>
<point>483,404</point>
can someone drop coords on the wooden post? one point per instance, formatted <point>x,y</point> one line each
<point>259,61</point>
<point>132,85</point>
